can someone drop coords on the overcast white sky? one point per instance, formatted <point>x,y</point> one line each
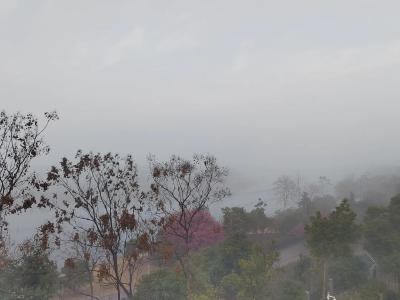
<point>269,87</point>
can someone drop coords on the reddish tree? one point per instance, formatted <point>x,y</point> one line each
<point>205,231</point>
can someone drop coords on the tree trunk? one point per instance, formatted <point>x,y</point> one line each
<point>91,289</point>
<point>185,274</point>
<point>118,281</point>
<point>324,281</point>
<point>118,292</point>
<point>90,273</point>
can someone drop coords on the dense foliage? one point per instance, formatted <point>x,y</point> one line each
<point>30,275</point>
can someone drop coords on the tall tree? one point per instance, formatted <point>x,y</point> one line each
<point>285,189</point>
<point>305,204</point>
<point>382,236</point>
<point>102,199</point>
<point>331,236</point>
<point>235,220</point>
<point>21,142</point>
<point>185,188</point>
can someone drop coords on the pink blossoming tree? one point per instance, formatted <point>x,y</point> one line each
<point>205,231</point>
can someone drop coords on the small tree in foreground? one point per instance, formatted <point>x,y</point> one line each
<point>29,275</point>
<point>251,279</point>
<point>163,284</point>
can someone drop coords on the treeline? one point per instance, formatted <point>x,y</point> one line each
<point>158,240</point>
<point>345,258</point>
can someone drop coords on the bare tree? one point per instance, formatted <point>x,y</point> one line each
<point>102,198</point>
<point>21,141</point>
<point>318,188</point>
<point>185,188</point>
<point>285,189</point>
<point>324,183</point>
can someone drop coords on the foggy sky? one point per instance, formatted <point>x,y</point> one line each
<point>269,87</point>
